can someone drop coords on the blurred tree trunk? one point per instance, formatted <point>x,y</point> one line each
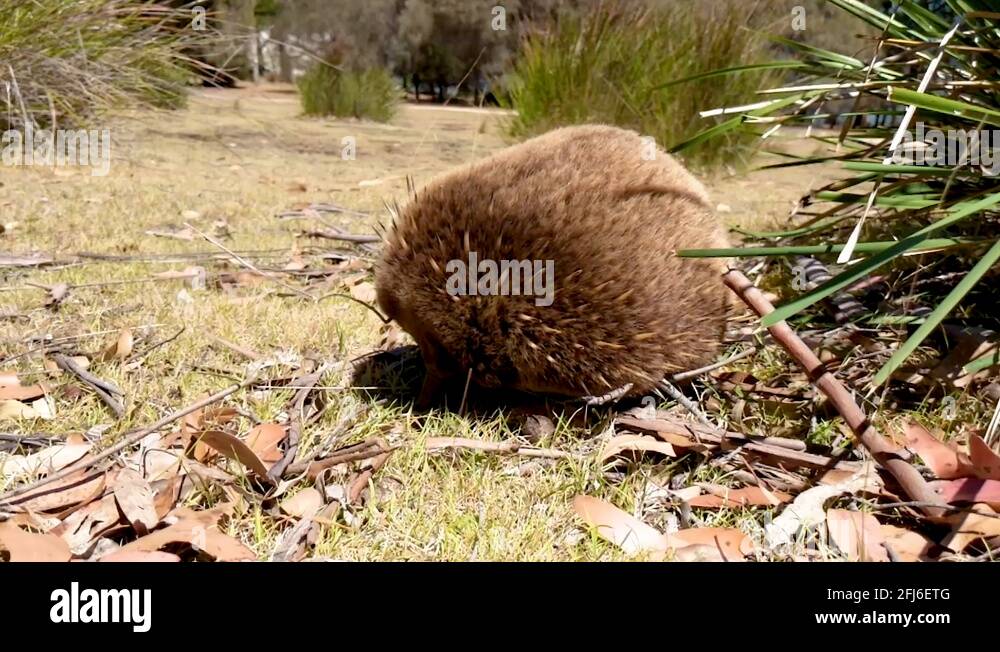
<point>239,25</point>
<point>280,35</point>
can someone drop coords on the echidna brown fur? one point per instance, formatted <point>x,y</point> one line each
<point>610,212</point>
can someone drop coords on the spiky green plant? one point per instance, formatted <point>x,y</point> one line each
<point>329,90</point>
<point>609,65</point>
<point>926,71</point>
<point>64,61</point>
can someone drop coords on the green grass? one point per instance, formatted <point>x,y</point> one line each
<point>614,65</point>
<point>328,91</point>
<point>70,60</point>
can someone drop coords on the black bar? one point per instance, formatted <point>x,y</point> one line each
<point>880,596</point>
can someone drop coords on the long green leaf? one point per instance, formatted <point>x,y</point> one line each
<point>940,104</point>
<point>991,359</point>
<point>959,212</point>
<point>871,15</point>
<point>939,313</point>
<point>734,123</point>
<point>798,250</point>
<point>820,53</point>
<point>871,166</point>
<point>898,201</point>
<point>711,132</point>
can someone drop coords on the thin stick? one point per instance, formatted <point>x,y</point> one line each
<point>685,402</point>
<point>129,440</point>
<point>685,375</point>
<point>345,237</point>
<point>247,353</point>
<point>385,320</point>
<point>465,392</point>
<point>908,477</point>
<point>315,469</point>
<point>249,265</point>
<point>104,389</point>
<point>509,447</point>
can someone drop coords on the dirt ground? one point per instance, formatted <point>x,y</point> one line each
<point>227,166</point>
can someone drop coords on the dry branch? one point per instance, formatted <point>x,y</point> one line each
<point>104,389</point>
<point>908,477</point>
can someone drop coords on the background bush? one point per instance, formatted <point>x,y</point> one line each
<point>610,65</point>
<point>370,94</point>
<point>67,60</point>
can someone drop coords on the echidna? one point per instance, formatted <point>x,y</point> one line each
<point>550,267</point>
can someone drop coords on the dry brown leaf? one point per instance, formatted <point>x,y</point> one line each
<point>969,490</point>
<point>199,529</point>
<point>621,443</point>
<point>809,507</point>
<point>140,556</point>
<point>72,490</point>
<point>741,498</point>
<point>308,501</point>
<point>31,547</point>
<point>17,410</point>
<point>943,460</point>
<point>729,543</point>
<point>234,448</point>
<point>213,418</point>
<point>166,492</point>
<point>12,389</point>
<point>908,545</point>
<point>136,500</point>
<point>857,534</point>
<point>244,278</point>
<point>985,462</point>
<point>263,440</point>
<point>88,523</point>
<point>620,528</point>
<point>978,523</point>
<point>46,460</point>
<point>121,348</point>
